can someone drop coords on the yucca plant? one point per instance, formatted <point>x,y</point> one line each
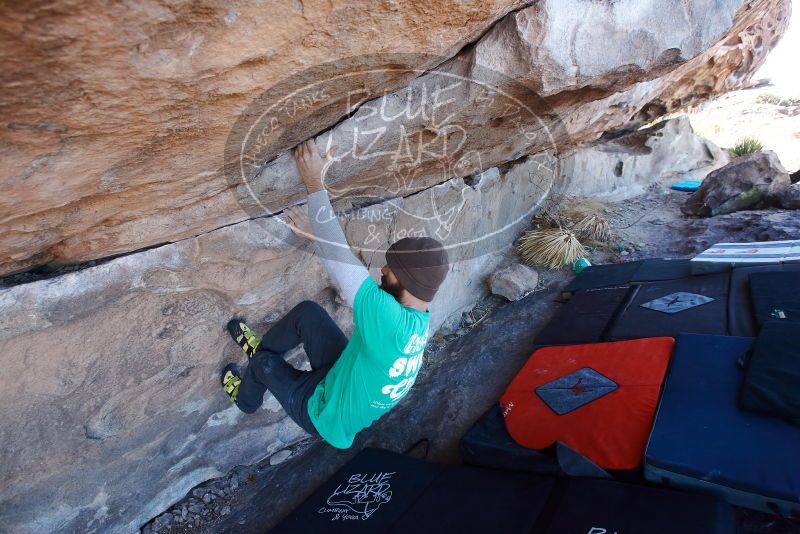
<point>747,145</point>
<point>544,222</point>
<point>592,228</point>
<point>553,247</point>
<point>586,219</point>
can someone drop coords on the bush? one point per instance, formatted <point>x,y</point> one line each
<point>776,100</point>
<point>747,145</point>
<point>554,248</point>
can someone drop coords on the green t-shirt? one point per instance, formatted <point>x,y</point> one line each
<point>376,369</point>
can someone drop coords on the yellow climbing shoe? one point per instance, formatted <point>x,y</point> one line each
<point>231,380</point>
<point>243,336</point>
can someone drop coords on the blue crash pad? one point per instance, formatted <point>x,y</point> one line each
<point>688,186</point>
<point>703,441</point>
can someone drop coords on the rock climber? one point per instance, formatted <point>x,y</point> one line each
<point>351,382</point>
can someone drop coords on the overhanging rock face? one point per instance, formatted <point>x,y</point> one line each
<point>109,396</point>
<point>116,116</point>
<point>110,399</point>
<point>119,146</point>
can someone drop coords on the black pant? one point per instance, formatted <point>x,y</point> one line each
<point>307,323</point>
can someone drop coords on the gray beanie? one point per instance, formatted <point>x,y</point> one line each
<point>420,264</point>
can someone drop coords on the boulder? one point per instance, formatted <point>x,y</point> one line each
<point>126,128</point>
<point>123,127</point>
<point>788,198</point>
<point>280,457</point>
<point>122,114</point>
<point>513,282</point>
<point>110,401</point>
<point>748,182</point>
<point>624,166</point>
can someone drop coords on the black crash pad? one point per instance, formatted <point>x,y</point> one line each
<point>488,444</point>
<point>658,269</point>
<point>478,500</point>
<point>636,321</point>
<point>741,315</point>
<point>772,379</point>
<point>584,318</point>
<point>776,296</point>
<point>597,276</point>
<point>605,507</point>
<point>620,274</point>
<point>382,491</point>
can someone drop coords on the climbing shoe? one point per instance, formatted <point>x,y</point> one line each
<point>231,379</point>
<point>243,336</point>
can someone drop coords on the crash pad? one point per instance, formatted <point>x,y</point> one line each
<point>637,321</point>
<point>776,296</point>
<point>589,506</point>
<point>686,185</point>
<point>601,276</point>
<point>723,256</point>
<point>741,315</point>
<point>658,269</point>
<point>584,318</point>
<point>383,491</point>
<point>772,377</point>
<point>488,444</point>
<point>597,398</point>
<point>703,441</point>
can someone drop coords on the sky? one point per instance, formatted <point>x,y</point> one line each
<point>782,65</point>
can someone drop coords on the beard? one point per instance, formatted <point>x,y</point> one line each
<point>394,290</point>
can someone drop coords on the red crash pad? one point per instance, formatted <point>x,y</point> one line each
<point>598,398</point>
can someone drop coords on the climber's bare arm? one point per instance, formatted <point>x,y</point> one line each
<point>318,219</point>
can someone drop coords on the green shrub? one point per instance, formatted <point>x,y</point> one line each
<point>776,100</point>
<point>747,145</point>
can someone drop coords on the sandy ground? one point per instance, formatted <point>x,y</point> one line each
<point>730,117</point>
<point>652,226</point>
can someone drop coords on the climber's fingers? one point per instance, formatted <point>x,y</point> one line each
<point>297,218</point>
<point>331,152</point>
<point>311,146</point>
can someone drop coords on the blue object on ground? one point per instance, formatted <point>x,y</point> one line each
<point>703,441</point>
<point>686,185</point>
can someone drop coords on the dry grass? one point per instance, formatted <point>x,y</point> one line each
<point>579,208</point>
<point>776,100</point>
<point>544,222</point>
<point>593,228</point>
<point>553,247</point>
<point>585,218</point>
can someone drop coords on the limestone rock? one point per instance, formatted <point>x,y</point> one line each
<point>118,119</point>
<point>280,457</point>
<point>110,383</point>
<point>624,166</point>
<point>789,197</point>
<point>748,182</point>
<point>514,281</point>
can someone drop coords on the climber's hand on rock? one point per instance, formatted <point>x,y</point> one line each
<point>311,165</point>
<point>297,219</point>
